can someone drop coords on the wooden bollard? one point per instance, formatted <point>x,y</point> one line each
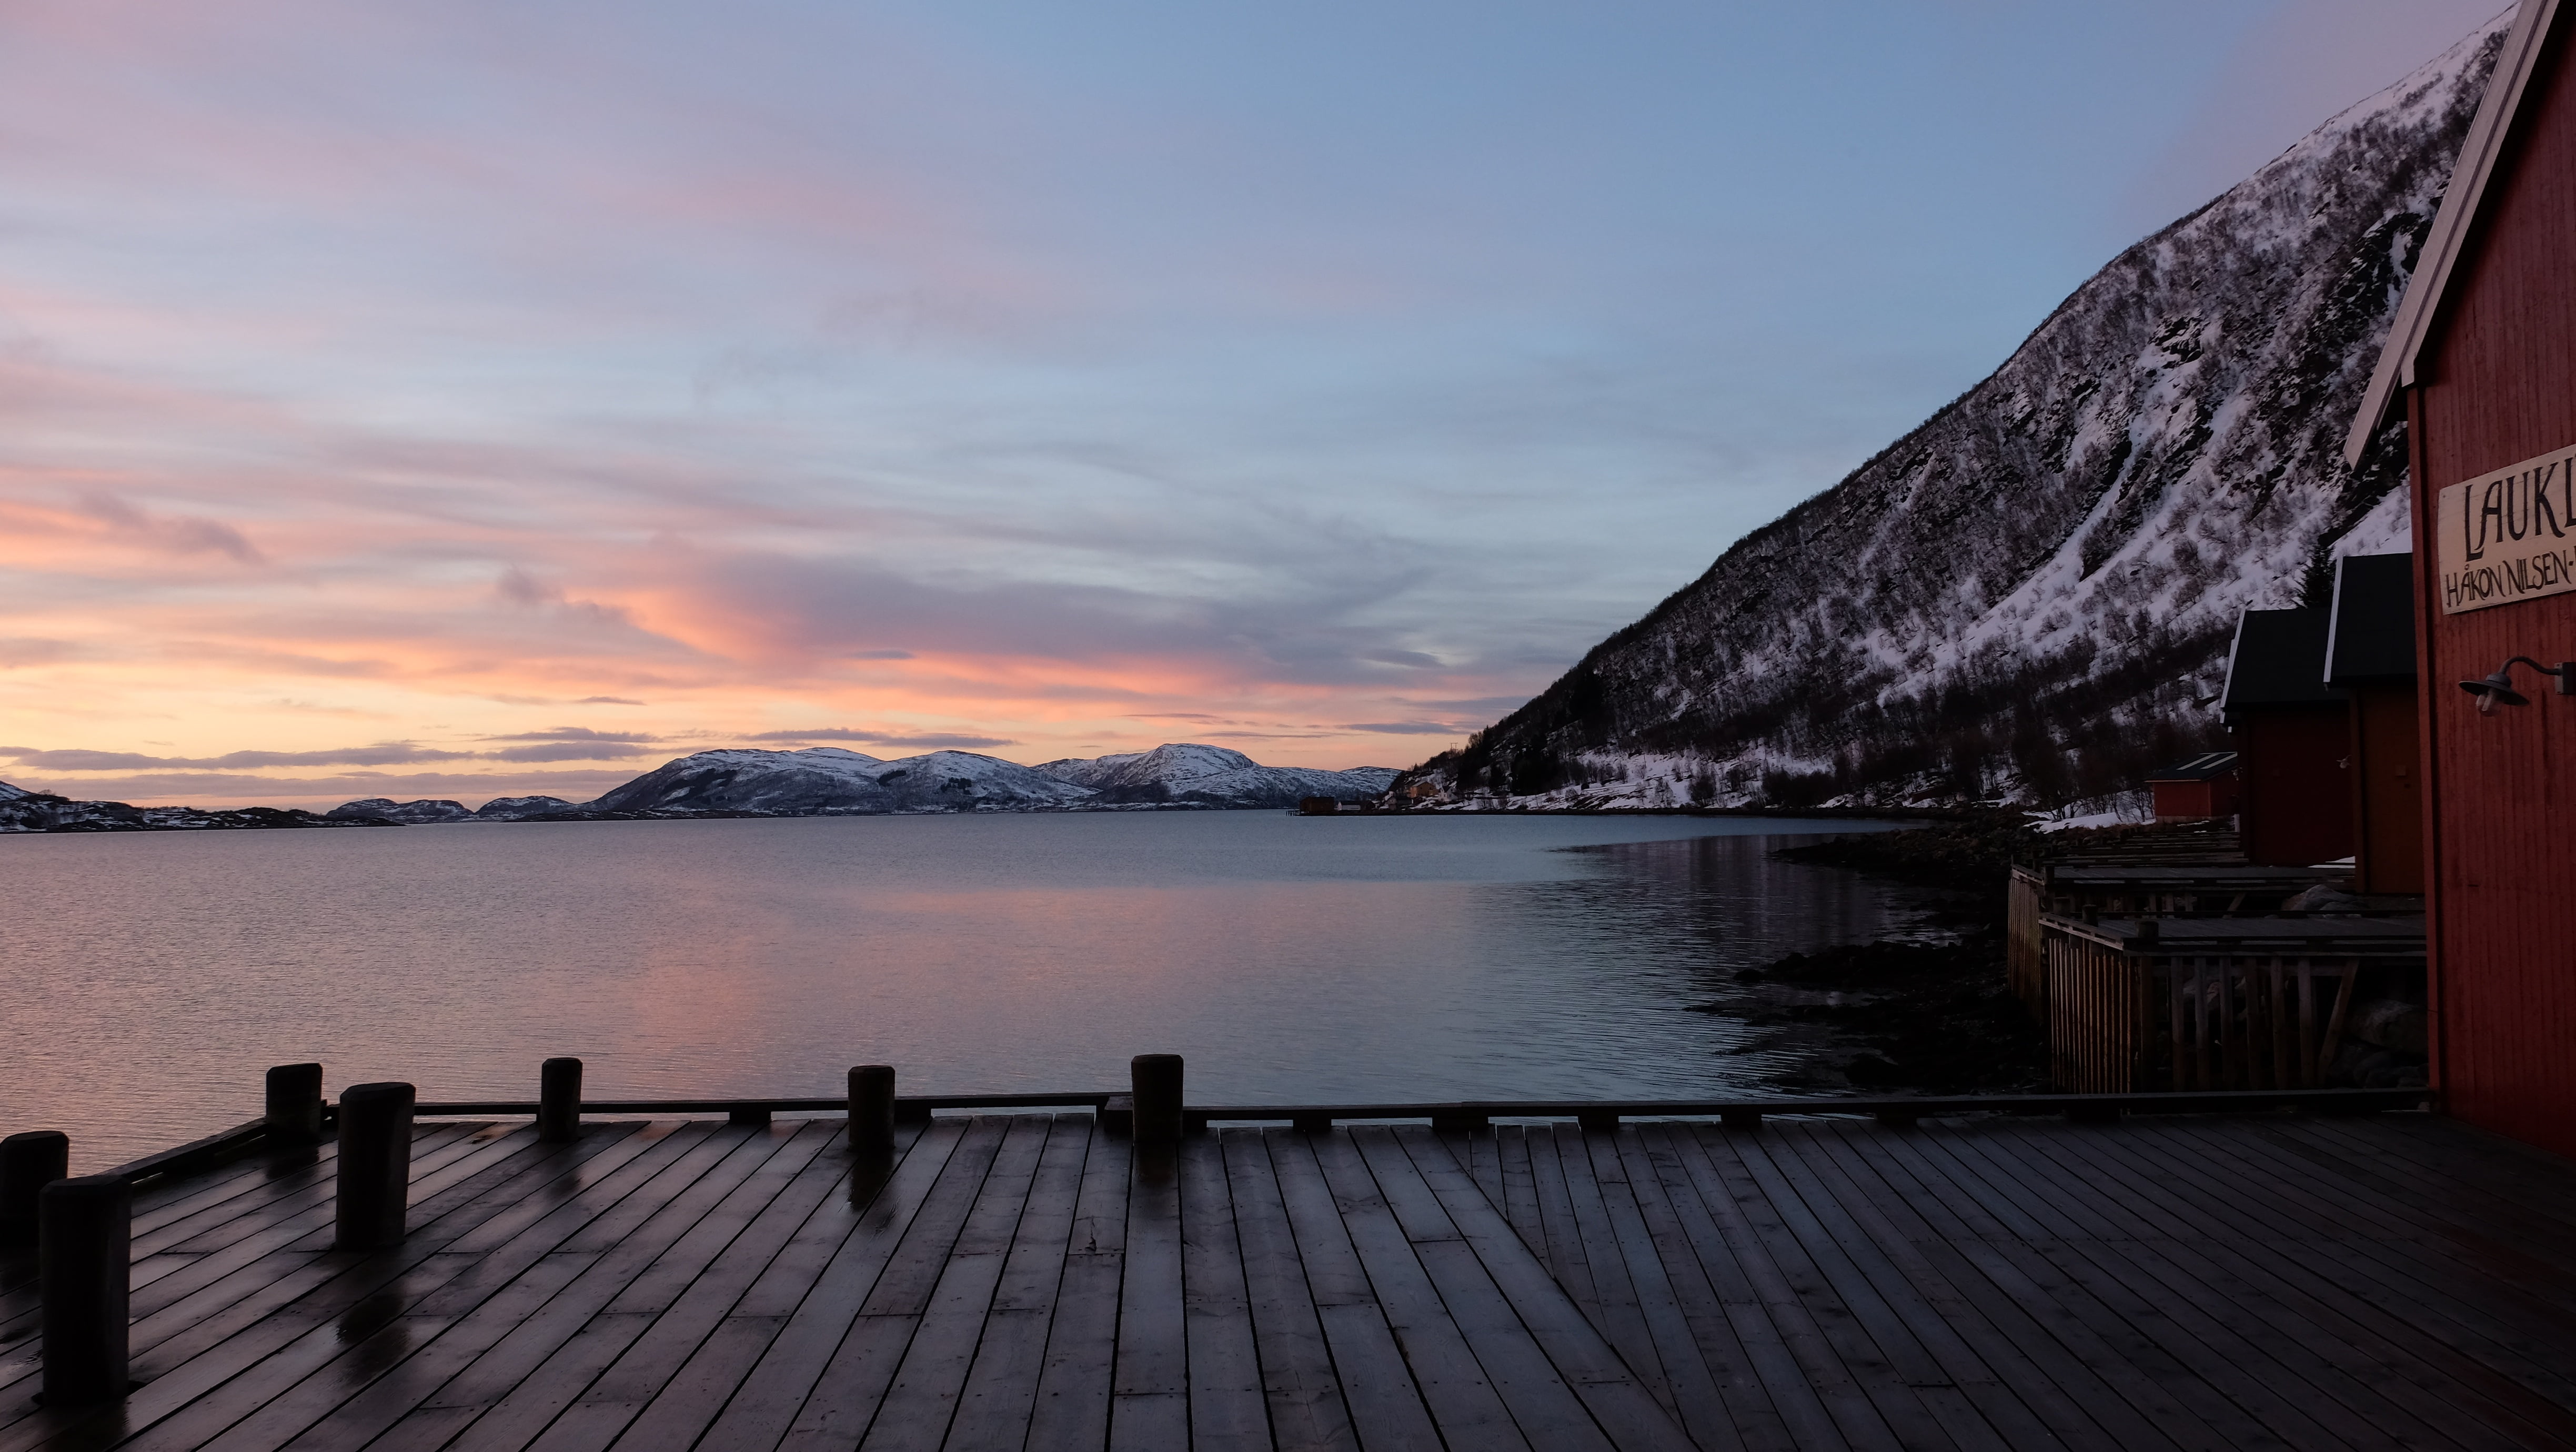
<point>872,1107</point>
<point>295,1104</point>
<point>28,1163</point>
<point>1740,1120</point>
<point>84,1271</point>
<point>559,1101</point>
<point>375,1165</point>
<point>1156,1080</point>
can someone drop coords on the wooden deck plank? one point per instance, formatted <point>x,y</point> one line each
<point>811,1320</point>
<point>2355,1277</point>
<point>1388,1407</point>
<point>921,1402</point>
<point>1479,1152</point>
<point>226,1366</point>
<point>1618,1308</point>
<point>359,1394</point>
<point>698,1389</point>
<point>1000,1390</point>
<point>2189,1282</point>
<point>1927,1352</point>
<point>1610,1391</point>
<point>1871,1405</point>
<point>844,1400</point>
<point>2081,1250</point>
<point>1561,1240</point>
<point>1744,1404</point>
<point>201,1344</point>
<point>1798,1400</point>
<point>2085,1402</point>
<point>1072,1404</point>
<point>1387,1281</point>
<point>2281,1378</point>
<point>545,1366</point>
<point>1520,1192</point>
<point>1690,1387</point>
<point>1229,1407</point>
<point>2424,1378</point>
<point>2152,1385</point>
<point>2423,1240</point>
<point>1307,1412</point>
<point>1149,1398</point>
<point>1538,1391</point>
<point>687,1292</point>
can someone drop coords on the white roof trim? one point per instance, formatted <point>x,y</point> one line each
<point>2444,245</point>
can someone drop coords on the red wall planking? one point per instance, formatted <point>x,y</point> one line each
<point>2295,802</point>
<point>2498,385</point>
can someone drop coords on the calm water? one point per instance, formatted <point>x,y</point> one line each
<point>148,979</point>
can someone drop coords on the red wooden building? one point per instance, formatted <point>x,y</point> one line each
<point>2195,789</point>
<point>2293,738</point>
<point>2481,366</point>
<point>2370,657</point>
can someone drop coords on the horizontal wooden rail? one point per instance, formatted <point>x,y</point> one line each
<point>196,1154</point>
<point>472,1109</point>
<point>2358,1100</point>
<point>245,1138</point>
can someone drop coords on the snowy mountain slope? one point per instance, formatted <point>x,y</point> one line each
<point>512,809</point>
<point>2025,595</point>
<point>827,780</point>
<point>1188,773</point>
<point>408,814</point>
<point>9,793</point>
<point>26,811</point>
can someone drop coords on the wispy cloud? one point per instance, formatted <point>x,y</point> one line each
<point>927,740</point>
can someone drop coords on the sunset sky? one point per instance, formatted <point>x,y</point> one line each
<point>468,399</point>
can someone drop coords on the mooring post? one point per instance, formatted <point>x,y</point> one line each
<point>375,1165</point>
<point>84,1272</point>
<point>559,1101</point>
<point>28,1163</point>
<point>295,1104</point>
<point>872,1107</point>
<point>1743,1121</point>
<point>1156,1079</point>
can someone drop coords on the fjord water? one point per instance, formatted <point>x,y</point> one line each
<point>150,978</point>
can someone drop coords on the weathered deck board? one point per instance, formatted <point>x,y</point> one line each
<point>1030,1283</point>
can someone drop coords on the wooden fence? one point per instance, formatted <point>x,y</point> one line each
<point>2134,1012</point>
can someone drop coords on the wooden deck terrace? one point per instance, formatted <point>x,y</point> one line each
<point>1029,1280</point>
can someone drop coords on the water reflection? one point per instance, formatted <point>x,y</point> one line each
<point>153,977</point>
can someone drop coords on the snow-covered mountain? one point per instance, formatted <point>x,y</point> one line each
<point>26,811</point>
<point>829,781</point>
<point>2026,595</point>
<point>407,814</point>
<point>1212,776</point>
<point>514,809</point>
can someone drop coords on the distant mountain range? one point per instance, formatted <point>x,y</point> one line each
<point>2028,595</point>
<point>818,781</point>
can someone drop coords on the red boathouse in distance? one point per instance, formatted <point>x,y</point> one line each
<point>2480,368</point>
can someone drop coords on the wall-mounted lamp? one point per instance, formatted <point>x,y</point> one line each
<point>2497,689</point>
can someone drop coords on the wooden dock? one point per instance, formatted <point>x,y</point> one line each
<point>1029,1281</point>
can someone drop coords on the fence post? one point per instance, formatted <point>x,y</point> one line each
<point>375,1165</point>
<point>872,1107</point>
<point>28,1163</point>
<point>295,1104</point>
<point>84,1271</point>
<point>559,1101</point>
<point>1156,1079</point>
